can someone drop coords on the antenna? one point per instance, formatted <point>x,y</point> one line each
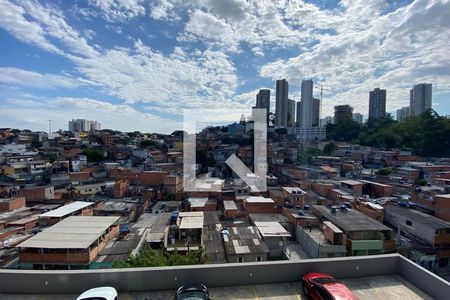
<point>49,127</point>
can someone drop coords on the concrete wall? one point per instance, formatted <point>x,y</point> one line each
<point>313,249</point>
<point>417,229</point>
<point>145,279</point>
<point>423,279</point>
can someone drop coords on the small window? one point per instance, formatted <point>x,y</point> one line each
<point>240,259</point>
<point>258,258</point>
<point>408,222</point>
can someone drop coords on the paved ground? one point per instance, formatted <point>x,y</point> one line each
<point>377,287</point>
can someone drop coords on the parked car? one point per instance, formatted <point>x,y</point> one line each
<point>192,292</point>
<point>99,293</point>
<point>318,286</point>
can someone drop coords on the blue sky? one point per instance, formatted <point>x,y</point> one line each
<point>136,64</point>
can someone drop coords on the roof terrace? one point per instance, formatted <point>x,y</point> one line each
<point>389,276</point>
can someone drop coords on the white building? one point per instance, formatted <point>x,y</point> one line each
<point>307,106</point>
<point>308,133</point>
<point>13,149</point>
<point>83,125</point>
<point>402,113</point>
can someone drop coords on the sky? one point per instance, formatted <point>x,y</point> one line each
<point>138,65</point>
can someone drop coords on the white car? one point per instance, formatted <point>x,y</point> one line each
<point>100,293</point>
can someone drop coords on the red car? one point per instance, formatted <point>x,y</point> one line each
<point>318,286</point>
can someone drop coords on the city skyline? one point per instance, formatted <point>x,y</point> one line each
<point>147,62</point>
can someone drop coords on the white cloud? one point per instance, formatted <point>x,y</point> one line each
<point>350,49</point>
<point>36,24</point>
<point>19,77</point>
<point>35,114</point>
<point>369,49</point>
<point>209,28</point>
<point>231,22</point>
<point>142,75</point>
<point>12,19</point>
<point>119,10</point>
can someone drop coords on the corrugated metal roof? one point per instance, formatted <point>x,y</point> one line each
<point>66,209</point>
<point>74,232</point>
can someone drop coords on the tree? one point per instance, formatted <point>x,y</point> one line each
<point>345,131</point>
<point>427,134</point>
<point>329,148</point>
<point>151,258</point>
<point>204,158</point>
<point>93,155</point>
<point>422,182</point>
<point>305,156</point>
<point>148,143</point>
<point>384,171</point>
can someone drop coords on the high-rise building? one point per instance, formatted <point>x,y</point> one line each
<point>83,125</point>
<point>327,120</point>
<point>316,112</point>
<point>402,113</point>
<point>291,113</point>
<point>263,101</point>
<point>307,103</point>
<point>420,98</point>
<point>377,103</point>
<point>281,103</point>
<point>342,112</point>
<point>357,117</point>
<point>298,122</point>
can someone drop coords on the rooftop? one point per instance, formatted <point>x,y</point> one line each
<point>369,277</point>
<point>267,217</point>
<point>197,201</point>
<point>351,220</point>
<point>351,182</point>
<point>271,229</point>
<point>418,217</point>
<point>229,205</point>
<point>255,199</point>
<point>244,240</point>
<point>74,232</point>
<point>191,220</point>
<point>66,209</point>
<point>293,190</point>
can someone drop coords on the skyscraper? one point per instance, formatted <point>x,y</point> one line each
<point>420,98</point>
<point>342,112</point>
<point>377,103</point>
<point>291,113</point>
<point>281,103</point>
<point>402,113</point>
<point>307,103</point>
<point>316,112</point>
<point>263,101</point>
<point>299,114</point>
